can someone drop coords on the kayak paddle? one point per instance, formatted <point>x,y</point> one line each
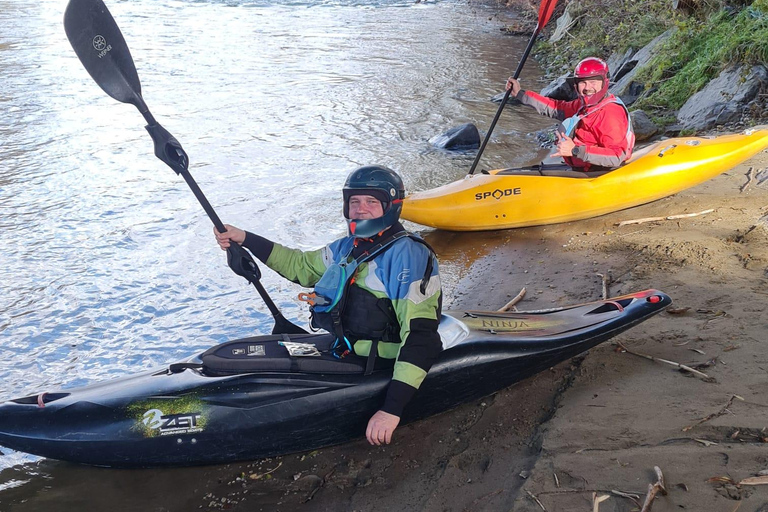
<point>545,12</point>
<point>101,48</point>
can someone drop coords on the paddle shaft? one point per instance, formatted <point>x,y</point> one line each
<point>545,12</point>
<point>101,47</point>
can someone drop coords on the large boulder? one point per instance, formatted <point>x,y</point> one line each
<point>465,136</point>
<point>724,99</point>
<point>627,88</point>
<point>643,127</point>
<point>621,64</point>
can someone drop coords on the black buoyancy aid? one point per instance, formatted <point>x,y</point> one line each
<point>360,315</point>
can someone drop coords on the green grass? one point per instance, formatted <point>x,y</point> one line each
<point>699,51</point>
<point>718,34</point>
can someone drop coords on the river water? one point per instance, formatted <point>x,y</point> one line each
<point>108,262</point>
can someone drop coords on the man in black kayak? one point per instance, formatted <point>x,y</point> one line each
<point>377,289</point>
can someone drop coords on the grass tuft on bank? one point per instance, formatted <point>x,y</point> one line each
<point>710,36</point>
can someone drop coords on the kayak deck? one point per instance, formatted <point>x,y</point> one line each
<point>193,413</point>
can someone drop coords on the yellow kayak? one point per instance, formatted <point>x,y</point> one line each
<point>513,198</point>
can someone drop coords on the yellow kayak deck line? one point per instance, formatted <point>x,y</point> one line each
<point>513,198</point>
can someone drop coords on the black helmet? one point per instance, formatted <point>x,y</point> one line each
<point>383,184</point>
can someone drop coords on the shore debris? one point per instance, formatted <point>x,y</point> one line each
<point>749,180</point>
<point>683,367</point>
<point>534,498</point>
<point>510,306</point>
<point>668,217</point>
<point>761,175</point>
<point>259,476</point>
<point>634,497</point>
<point>722,411</point>
<point>752,480</point>
<point>607,280</point>
<point>597,500</point>
<point>654,489</point>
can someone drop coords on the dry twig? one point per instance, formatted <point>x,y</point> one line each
<point>511,304</point>
<point>634,497</point>
<point>534,498</point>
<point>597,500</point>
<point>669,217</point>
<point>704,376</point>
<point>322,483</point>
<point>749,181</point>
<point>722,411</point>
<point>654,489</point>
<point>606,281</point>
<point>262,475</point>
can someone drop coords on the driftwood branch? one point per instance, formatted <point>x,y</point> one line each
<point>704,376</point>
<point>597,500</point>
<point>534,498</point>
<point>749,181</point>
<point>634,497</point>
<point>511,304</point>
<point>722,411</point>
<point>606,278</point>
<point>668,217</point>
<point>654,489</point>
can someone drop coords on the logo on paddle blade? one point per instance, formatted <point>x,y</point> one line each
<point>101,46</point>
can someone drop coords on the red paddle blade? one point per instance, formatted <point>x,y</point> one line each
<point>545,12</point>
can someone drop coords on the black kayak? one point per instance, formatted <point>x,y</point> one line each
<point>250,398</point>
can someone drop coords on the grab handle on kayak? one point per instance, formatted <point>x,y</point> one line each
<point>661,153</point>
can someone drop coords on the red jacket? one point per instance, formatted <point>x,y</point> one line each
<point>603,135</point>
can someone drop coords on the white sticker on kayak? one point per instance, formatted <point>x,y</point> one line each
<point>256,350</point>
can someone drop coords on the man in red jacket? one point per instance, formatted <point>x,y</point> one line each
<point>596,131</point>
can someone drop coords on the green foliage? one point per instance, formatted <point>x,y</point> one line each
<point>716,34</point>
<point>608,26</point>
<point>699,51</point>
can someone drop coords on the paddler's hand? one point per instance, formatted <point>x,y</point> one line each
<point>513,86</point>
<point>565,145</point>
<point>380,427</point>
<point>232,234</point>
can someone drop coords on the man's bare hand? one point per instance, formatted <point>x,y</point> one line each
<point>380,428</point>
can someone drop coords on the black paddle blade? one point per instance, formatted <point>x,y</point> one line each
<point>283,326</point>
<point>101,48</point>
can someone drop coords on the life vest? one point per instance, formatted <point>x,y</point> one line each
<point>568,126</point>
<point>352,313</point>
